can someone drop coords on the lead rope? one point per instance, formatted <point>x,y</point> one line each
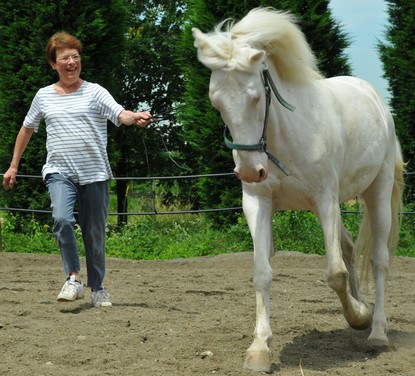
<point>152,191</point>
<point>160,117</point>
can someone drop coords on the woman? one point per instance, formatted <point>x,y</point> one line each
<point>77,167</point>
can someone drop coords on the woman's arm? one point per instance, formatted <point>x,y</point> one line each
<point>22,139</point>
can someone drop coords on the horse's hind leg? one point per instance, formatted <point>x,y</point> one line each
<point>379,209</point>
<point>356,312</point>
<point>349,258</point>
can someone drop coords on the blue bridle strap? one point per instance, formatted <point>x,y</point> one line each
<point>268,81</point>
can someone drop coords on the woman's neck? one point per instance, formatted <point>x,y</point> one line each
<point>68,87</point>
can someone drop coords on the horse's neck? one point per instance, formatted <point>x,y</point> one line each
<point>286,91</point>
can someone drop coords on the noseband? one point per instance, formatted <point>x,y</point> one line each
<point>262,145</point>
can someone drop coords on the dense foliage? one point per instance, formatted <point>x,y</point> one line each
<point>129,48</point>
<point>398,57</point>
<point>25,28</point>
<point>150,81</point>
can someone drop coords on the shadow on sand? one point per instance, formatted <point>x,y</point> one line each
<point>321,351</point>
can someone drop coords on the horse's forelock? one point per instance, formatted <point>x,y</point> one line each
<point>222,50</point>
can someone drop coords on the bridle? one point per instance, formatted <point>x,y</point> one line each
<point>262,145</point>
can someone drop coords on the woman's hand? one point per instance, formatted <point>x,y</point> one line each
<point>135,118</point>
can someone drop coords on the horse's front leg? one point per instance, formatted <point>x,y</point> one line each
<point>258,213</point>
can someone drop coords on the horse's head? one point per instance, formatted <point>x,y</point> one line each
<point>237,91</point>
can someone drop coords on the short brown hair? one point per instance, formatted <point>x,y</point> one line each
<point>61,39</point>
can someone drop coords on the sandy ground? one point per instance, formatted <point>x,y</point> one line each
<point>167,314</point>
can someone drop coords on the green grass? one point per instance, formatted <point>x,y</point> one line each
<point>192,235</point>
<point>147,237</point>
<point>168,237</point>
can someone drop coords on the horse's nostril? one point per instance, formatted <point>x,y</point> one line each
<point>263,174</point>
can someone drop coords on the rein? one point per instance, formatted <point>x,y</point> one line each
<point>262,145</point>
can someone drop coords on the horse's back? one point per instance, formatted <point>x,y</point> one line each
<point>357,97</point>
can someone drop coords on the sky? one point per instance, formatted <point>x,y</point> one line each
<point>365,22</point>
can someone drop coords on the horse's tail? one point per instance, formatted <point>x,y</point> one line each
<point>396,200</point>
<point>364,239</point>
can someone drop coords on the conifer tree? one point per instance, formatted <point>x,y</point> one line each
<point>129,48</point>
<point>25,29</point>
<point>151,81</point>
<point>398,58</point>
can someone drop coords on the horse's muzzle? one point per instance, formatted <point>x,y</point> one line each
<point>256,175</point>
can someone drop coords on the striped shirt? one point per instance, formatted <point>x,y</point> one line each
<point>76,128</point>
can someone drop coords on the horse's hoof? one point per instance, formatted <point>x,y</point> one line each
<point>363,319</point>
<point>378,339</point>
<point>258,361</point>
<point>361,325</point>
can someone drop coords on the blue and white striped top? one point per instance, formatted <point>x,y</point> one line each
<point>76,128</point>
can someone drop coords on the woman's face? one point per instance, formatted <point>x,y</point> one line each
<point>68,65</point>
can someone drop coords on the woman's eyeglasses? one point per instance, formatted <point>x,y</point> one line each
<point>66,58</point>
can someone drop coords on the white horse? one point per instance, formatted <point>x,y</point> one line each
<point>338,143</point>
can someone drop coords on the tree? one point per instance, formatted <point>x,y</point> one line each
<point>150,80</point>
<point>130,49</point>
<point>25,28</point>
<point>202,125</point>
<point>398,58</point>
<point>324,33</point>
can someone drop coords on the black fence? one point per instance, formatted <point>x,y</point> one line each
<point>152,196</point>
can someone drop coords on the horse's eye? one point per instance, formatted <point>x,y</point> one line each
<point>254,96</point>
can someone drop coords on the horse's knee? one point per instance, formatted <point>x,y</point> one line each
<point>263,278</point>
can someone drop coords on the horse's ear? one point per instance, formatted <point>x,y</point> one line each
<point>256,55</point>
<point>198,36</point>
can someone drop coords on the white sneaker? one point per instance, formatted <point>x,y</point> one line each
<point>71,290</point>
<point>100,298</point>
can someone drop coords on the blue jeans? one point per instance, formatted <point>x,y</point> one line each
<point>92,202</point>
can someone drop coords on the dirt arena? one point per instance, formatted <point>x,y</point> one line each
<point>193,317</point>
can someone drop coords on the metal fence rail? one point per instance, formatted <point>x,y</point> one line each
<point>132,213</point>
<point>156,212</point>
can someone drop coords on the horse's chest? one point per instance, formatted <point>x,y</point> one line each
<point>283,194</point>
<point>292,198</point>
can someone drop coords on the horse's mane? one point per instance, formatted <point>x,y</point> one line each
<point>266,29</point>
